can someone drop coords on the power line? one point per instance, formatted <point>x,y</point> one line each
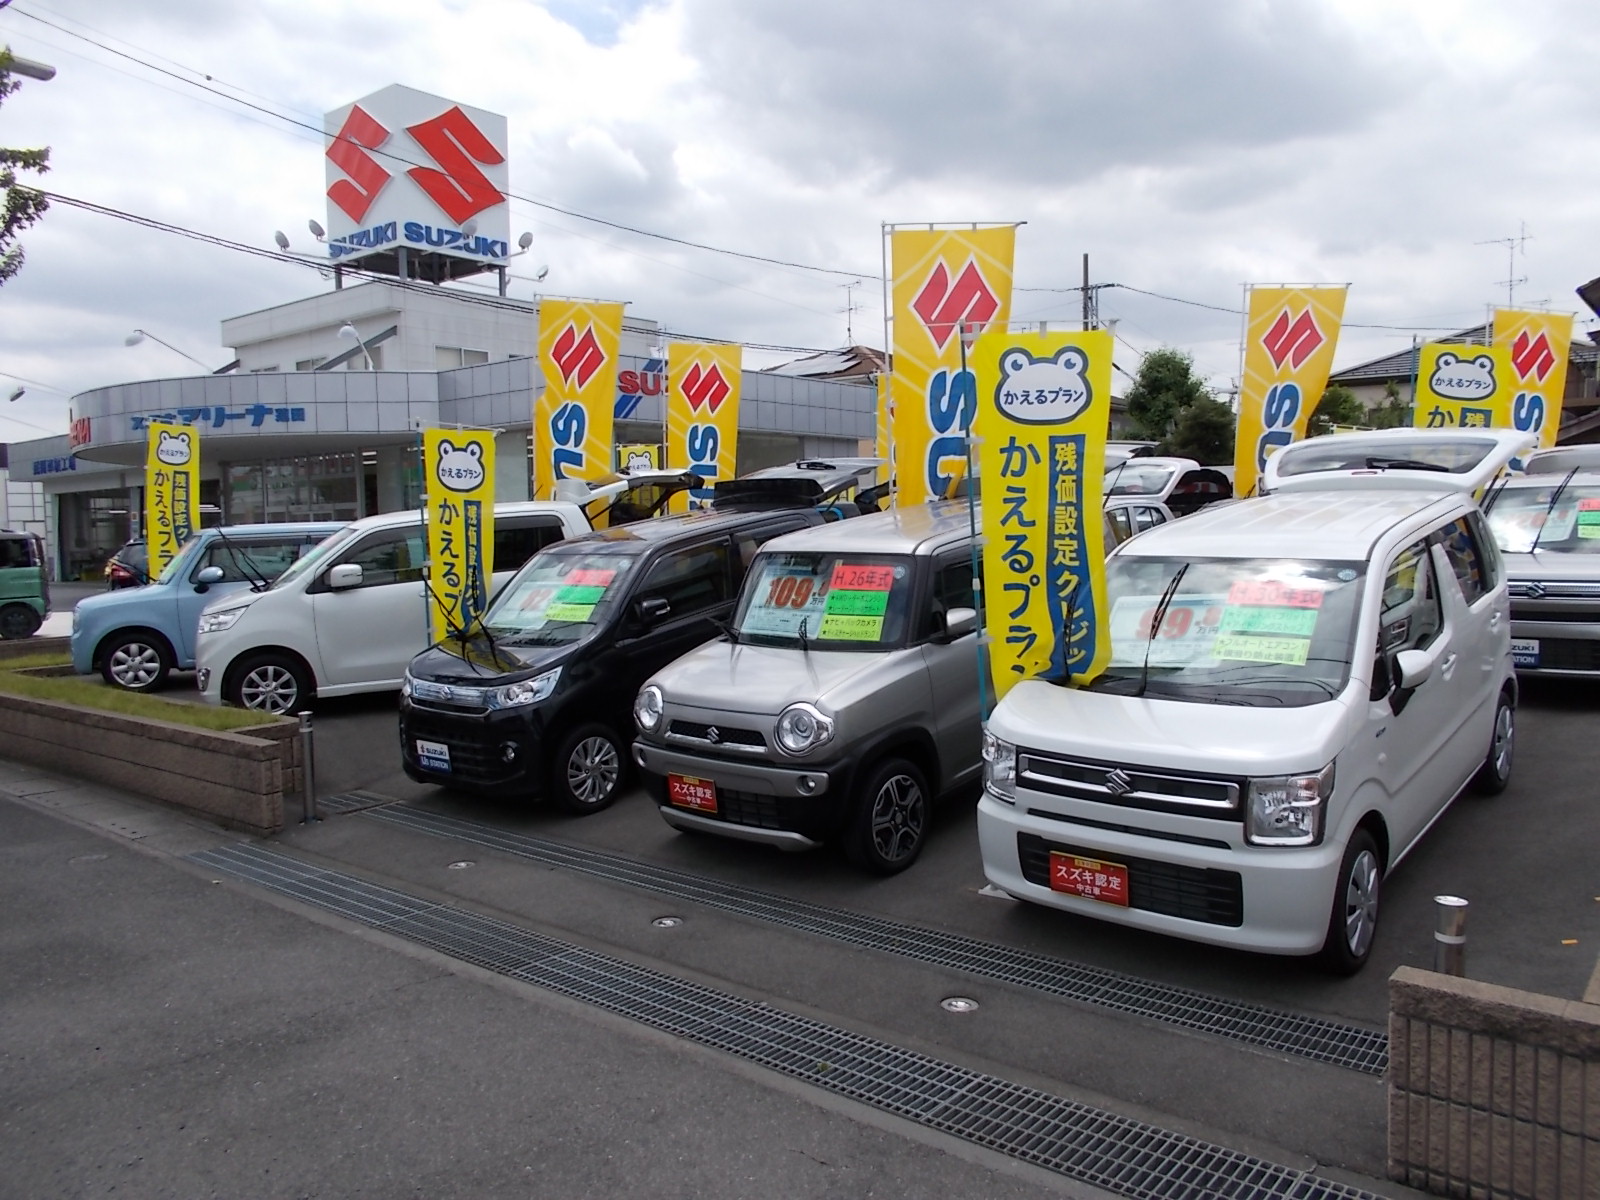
<point>555,208</point>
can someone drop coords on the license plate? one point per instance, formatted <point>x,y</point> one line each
<point>1089,877</point>
<point>685,791</point>
<point>435,756</point>
<point>1524,653</point>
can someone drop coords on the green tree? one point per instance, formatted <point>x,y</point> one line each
<point>1204,432</point>
<point>1338,406</point>
<point>1163,389</point>
<point>1393,413</point>
<point>20,206</point>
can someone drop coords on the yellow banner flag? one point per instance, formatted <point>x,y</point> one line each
<point>947,284</point>
<point>1540,344</point>
<point>1463,387</point>
<point>1288,353</point>
<point>572,418</point>
<point>1044,408</point>
<point>171,490</point>
<point>703,382</point>
<point>458,470</point>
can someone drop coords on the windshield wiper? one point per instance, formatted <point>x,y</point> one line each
<point>247,567</point>
<point>1155,624</point>
<point>805,645</point>
<point>1376,462</point>
<point>1555,498</point>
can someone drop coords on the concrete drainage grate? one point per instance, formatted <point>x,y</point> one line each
<point>1090,1145</point>
<point>343,803</point>
<point>1356,1047</point>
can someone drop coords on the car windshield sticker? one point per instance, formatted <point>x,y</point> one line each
<point>569,612</point>
<point>580,594</point>
<point>1255,618</point>
<point>1290,651</point>
<point>1271,592</point>
<point>1188,628</point>
<point>858,598</point>
<point>1588,519</point>
<point>784,595</point>
<point>599,577</point>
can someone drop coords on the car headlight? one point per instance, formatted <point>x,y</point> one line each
<point>216,622</point>
<point>529,691</point>
<point>76,619</point>
<point>1287,810</point>
<point>999,768</point>
<point>801,728</point>
<point>405,685</point>
<point>647,708</point>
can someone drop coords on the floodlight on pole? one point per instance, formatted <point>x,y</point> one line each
<point>350,333</point>
<point>18,394</point>
<point>139,335</point>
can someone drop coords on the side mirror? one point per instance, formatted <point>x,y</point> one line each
<point>959,622</point>
<point>1412,667</point>
<point>651,610</point>
<point>345,575</point>
<point>206,577</point>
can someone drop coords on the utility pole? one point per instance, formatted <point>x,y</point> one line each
<point>1091,299</point>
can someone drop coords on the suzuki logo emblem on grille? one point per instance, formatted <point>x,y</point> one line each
<point>1119,782</point>
<point>1534,591</point>
<point>713,734</point>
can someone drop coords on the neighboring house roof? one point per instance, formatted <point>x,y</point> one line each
<point>845,363</point>
<point>1401,366</point>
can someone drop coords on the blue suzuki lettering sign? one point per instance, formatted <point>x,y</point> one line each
<point>365,239</point>
<point>419,234</point>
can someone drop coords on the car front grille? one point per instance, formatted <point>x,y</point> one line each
<point>1568,654</point>
<point>1205,894</point>
<point>727,737</point>
<point>1130,787</point>
<point>475,756</point>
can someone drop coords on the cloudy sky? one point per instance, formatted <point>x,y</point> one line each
<point>1401,147</point>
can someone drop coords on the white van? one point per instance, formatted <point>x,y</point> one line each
<point>1299,685</point>
<point>353,612</point>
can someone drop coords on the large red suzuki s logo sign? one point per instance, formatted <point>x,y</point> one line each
<point>456,185</point>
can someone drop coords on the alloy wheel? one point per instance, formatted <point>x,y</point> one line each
<point>269,688</point>
<point>135,665</point>
<point>1361,903</point>
<point>593,769</point>
<point>899,816</point>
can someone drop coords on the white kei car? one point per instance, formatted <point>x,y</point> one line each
<point>1299,685</point>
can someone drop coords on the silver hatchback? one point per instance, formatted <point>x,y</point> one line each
<point>1547,526</point>
<point>844,700</point>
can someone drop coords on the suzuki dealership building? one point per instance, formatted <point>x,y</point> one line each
<point>312,423</point>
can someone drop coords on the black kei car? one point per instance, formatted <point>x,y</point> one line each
<point>536,699</point>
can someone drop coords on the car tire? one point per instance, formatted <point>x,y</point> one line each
<point>1353,922</point>
<point>1495,773</point>
<point>587,771</point>
<point>18,621</point>
<point>270,683</point>
<point>136,662</point>
<point>889,821</point>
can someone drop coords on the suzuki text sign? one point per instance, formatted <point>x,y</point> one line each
<point>1044,406</point>
<point>1463,387</point>
<point>702,414</point>
<point>947,284</point>
<point>407,170</point>
<point>573,417</point>
<point>1540,344</point>
<point>1288,352</point>
<point>171,490</point>
<point>458,473</point>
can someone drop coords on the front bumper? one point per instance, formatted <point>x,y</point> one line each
<point>792,808</point>
<point>1542,647</point>
<point>1270,899</point>
<point>494,753</point>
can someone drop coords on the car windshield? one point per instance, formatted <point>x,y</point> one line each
<point>320,553</point>
<point>563,594</point>
<point>182,560</point>
<point>1253,631</point>
<point>829,601</point>
<point>1135,478</point>
<point>1523,518</point>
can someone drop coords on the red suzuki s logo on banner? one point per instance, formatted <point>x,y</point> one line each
<point>406,169</point>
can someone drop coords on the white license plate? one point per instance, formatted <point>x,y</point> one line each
<point>435,756</point>
<point>1525,653</point>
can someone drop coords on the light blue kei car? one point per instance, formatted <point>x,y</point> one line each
<point>136,636</point>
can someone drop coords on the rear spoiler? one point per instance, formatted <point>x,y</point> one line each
<point>803,484</point>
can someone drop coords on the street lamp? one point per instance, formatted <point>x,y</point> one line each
<point>139,335</point>
<point>351,334</point>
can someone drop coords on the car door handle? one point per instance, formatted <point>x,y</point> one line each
<point>1448,665</point>
<point>1494,619</point>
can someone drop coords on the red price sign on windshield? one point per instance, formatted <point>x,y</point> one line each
<point>860,578</point>
<point>1269,592</point>
<point>591,577</point>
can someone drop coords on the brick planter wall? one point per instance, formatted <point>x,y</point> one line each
<point>238,779</point>
<point>1493,1092</point>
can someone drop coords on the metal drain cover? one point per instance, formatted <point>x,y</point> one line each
<point>667,922</point>
<point>958,1004</point>
<point>462,864</point>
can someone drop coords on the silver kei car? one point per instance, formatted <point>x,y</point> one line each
<point>843,701</point>
<point>1546,523</point>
